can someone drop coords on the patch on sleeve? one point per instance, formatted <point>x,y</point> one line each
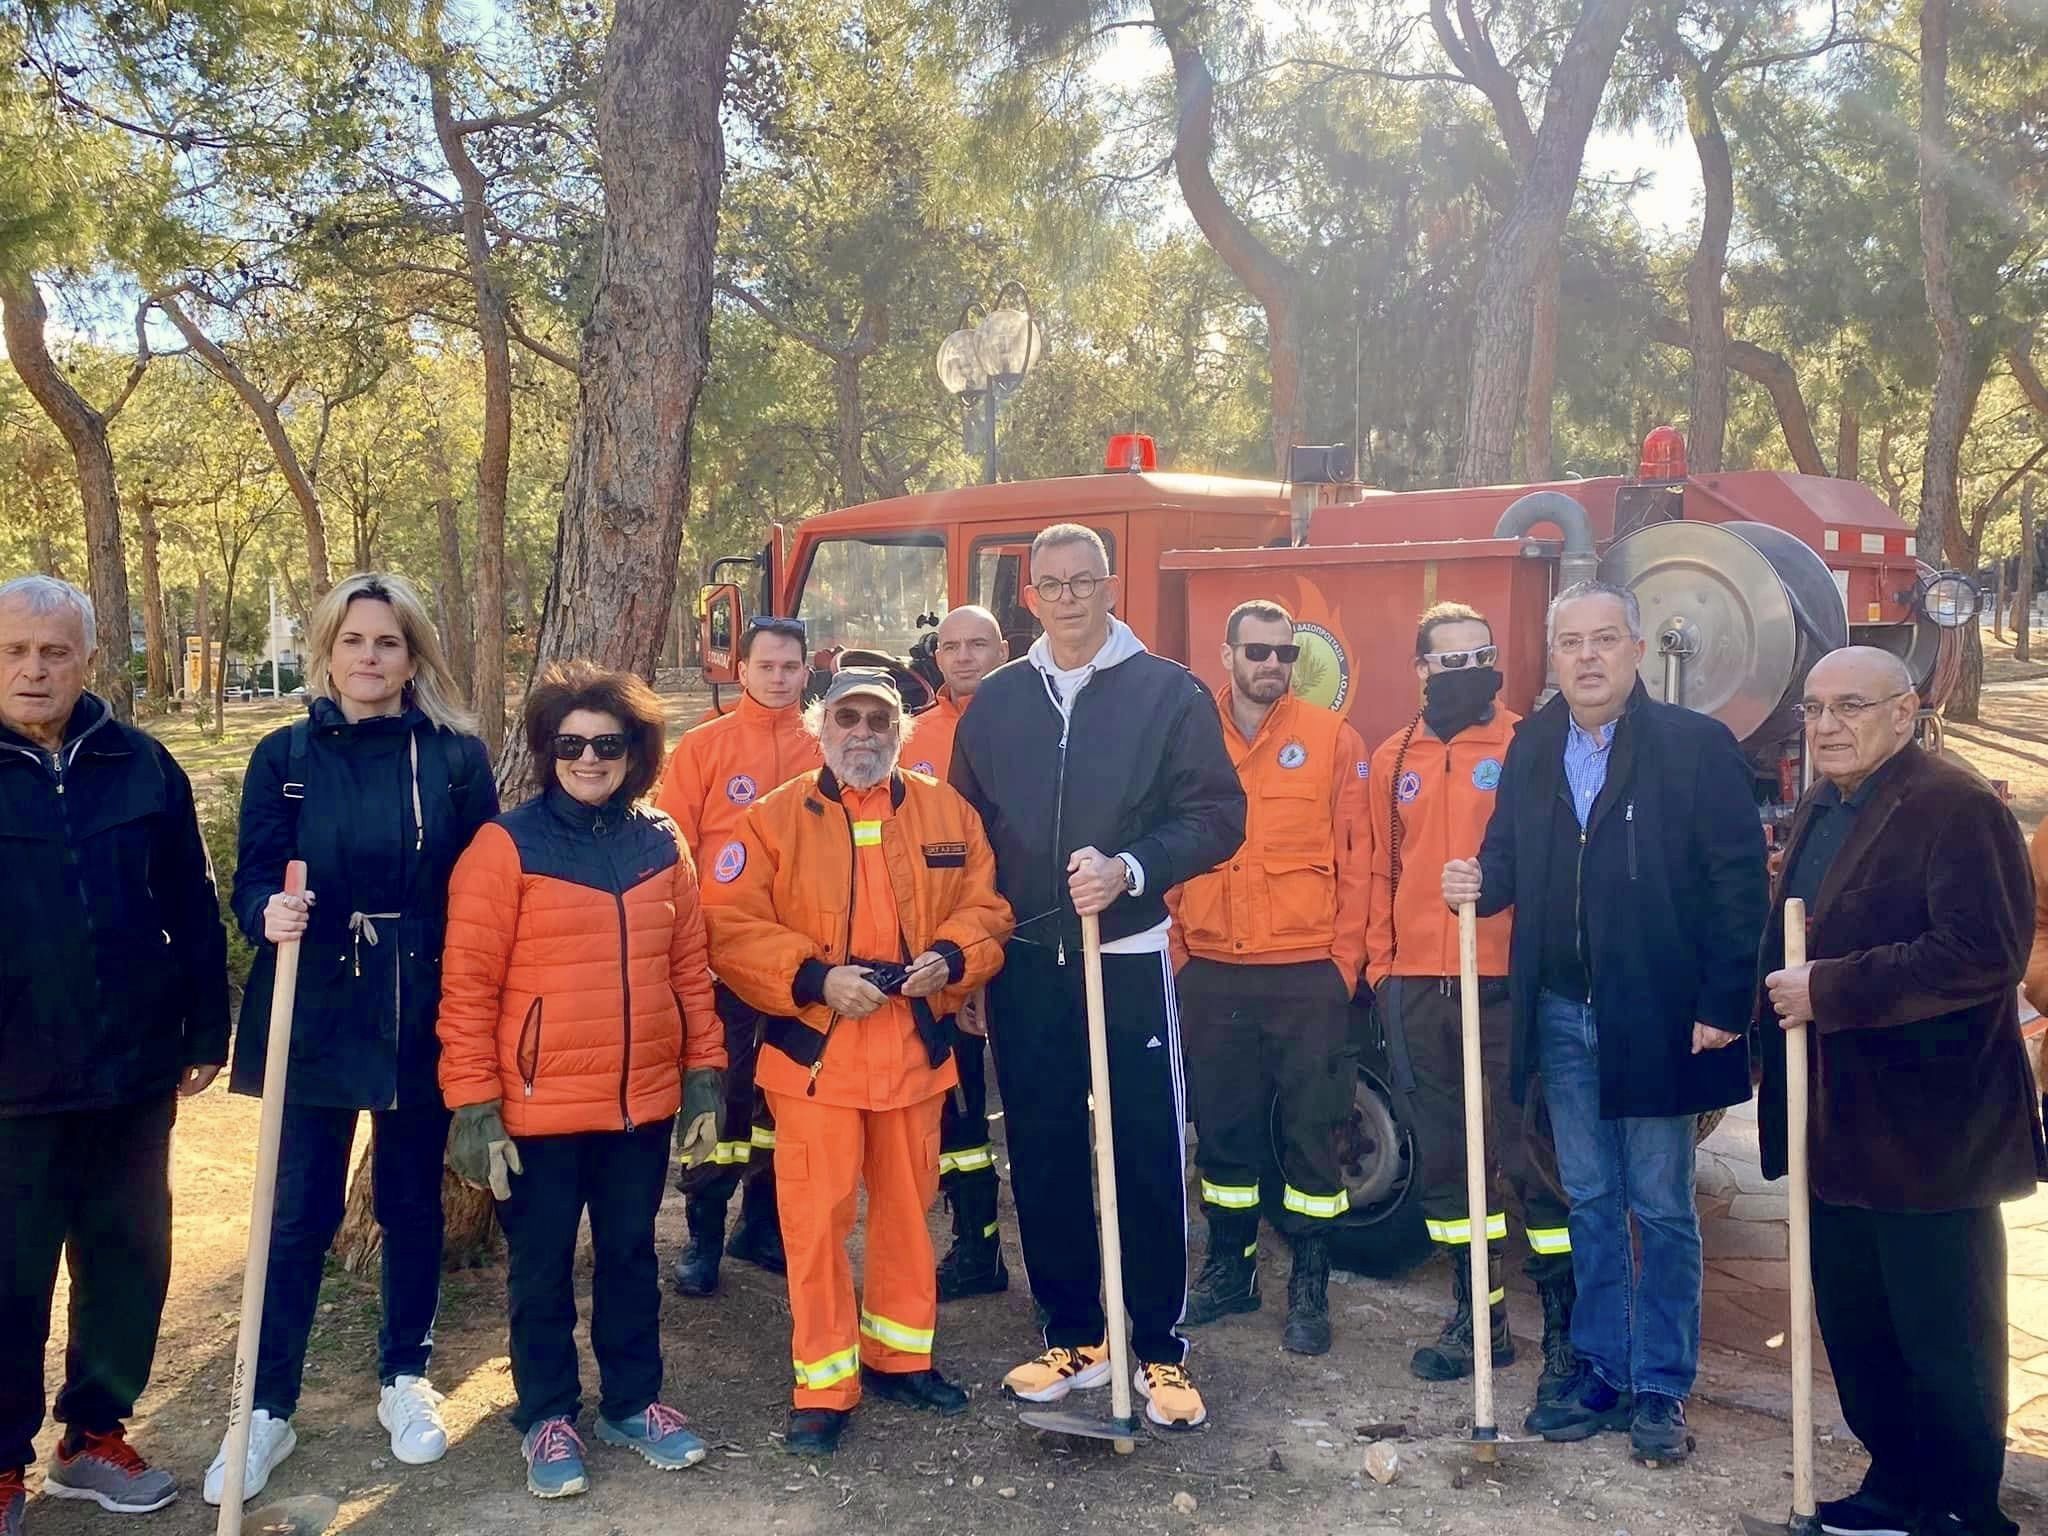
<point>1408,786</point>
<point>924,768</point>
<point>740,789</point>
<point>732,859</point>
<point>945,855</point>
<point>1486,775</point>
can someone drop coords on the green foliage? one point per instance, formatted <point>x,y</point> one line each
<point>219,817</point>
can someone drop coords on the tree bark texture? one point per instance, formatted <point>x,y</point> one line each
<point>2023,609</point>
<point>1528,237</point>
<point>1706,314</point>
<point>1542,378</point>
<point>266,412</point>
<point>1849,443</point>
<point>1269,278</point>
<point>155,641</point>
<point>1778,377</point>
<point>1947,417</point>
<point>646,343</point>
<point>202,685</point>
<point>494,457</point>
<point>469,1220</point>
<point>23,318</point>
<point>457,621</point>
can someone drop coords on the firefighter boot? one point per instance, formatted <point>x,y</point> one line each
<point>1308,1298</point>
<point>1560,1360</point>
<point>973,1266</point>
<point>1229,1278</point>
<point>1450,1357</point>
<point>758,1237</point>
<point>696,1270</point>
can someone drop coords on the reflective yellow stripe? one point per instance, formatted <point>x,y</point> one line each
<point>764,1136</point>
<point>1323,1207</point>
<point>1251,1249</point>
<point>1232,1197</point>
<point>1461,1231</point>
<point>829,1371</point>
<point>731,1152</point>
<point>969,1161</point>
<point>1550,1240</point>
<point>918,1341</point>
<point>989,1230</point>
<point>867,834</point>
<point>1497,1226</point>
<point>1495,1298</point>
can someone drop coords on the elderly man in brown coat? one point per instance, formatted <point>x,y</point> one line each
<point>1923,1116</point>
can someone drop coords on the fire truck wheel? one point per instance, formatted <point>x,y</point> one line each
<point>1381,1235</point>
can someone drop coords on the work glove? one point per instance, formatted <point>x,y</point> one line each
<point>481,1151</point>
<point>703,1100</point>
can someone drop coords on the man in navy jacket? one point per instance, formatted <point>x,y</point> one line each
<point>113,1001</point>
<point>1626,836</point>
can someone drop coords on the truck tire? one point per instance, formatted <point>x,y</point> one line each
<point>1382,1234</point>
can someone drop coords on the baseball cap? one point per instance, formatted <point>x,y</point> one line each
<point>852,682</point>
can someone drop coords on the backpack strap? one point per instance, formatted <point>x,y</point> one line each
<point>295,768</point>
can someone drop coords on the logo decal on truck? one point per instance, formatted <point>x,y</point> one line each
<point>1323,674</point>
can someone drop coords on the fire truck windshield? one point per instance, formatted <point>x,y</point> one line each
<point>869,590</point>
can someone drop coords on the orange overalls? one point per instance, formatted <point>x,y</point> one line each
<point>825,874</point>
<point>930,748</point>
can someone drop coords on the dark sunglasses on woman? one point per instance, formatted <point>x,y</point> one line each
<point>609,747</point>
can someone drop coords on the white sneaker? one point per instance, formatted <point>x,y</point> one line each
<point>411,1409</point>
<point>270,1441</point>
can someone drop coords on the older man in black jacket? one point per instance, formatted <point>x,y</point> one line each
<point>113,1000</point>
<point>1923,1114</point>
<point>1100,772</point>
<point>1626,837</point>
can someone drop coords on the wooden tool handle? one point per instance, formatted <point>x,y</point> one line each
<point>1800,1219</point>
<point>1105,1173</point>
<point>1483,1427</point>
<point>262,1206</point>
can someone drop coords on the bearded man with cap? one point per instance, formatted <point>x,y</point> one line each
<point>856,907</point>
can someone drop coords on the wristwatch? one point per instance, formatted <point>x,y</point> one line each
<point>1134,875</point>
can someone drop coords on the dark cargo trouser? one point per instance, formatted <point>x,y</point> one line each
<point>1421,1016</point>
<point>1254,1032</point>
<point>966,1157</point>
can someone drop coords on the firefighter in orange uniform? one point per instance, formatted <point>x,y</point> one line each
<point>1273,942</point>
<point>857,909</point>
<point>1431,792</point>
<point>970,646</point>
<point>714,777</point>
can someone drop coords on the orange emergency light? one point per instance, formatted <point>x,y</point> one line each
<point>1663,455</point>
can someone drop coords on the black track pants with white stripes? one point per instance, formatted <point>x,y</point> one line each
<point>1040,1022</point>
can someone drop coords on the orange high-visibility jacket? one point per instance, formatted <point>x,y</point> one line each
<point>1445,791</point>
<point>720,768</point>
<point>781,907</point>
<point>930,748</point>
<point>573,981</point>
<point>1296,890</point>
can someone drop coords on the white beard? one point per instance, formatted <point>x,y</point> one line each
<point>860,768</point>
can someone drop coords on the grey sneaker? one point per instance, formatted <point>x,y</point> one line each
<point>13,1503</point>
<point>107,1470</point>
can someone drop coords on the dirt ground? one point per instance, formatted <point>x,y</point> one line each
<point>1283,1453</point>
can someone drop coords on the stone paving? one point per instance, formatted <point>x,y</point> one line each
<point>1743,1226</point>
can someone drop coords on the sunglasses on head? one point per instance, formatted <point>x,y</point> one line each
<point>1452,661</point>
<point>609,747</point>
<point>879,721</point>
<point>775,624</point>
<point>1259,650</point>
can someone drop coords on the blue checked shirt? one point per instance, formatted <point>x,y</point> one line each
<point>1585,765</point>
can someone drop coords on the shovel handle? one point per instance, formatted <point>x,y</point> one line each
<point>1484,1430</point>
<point>1105,1175</point>
<point>262,1206</point>
<point>1799,1213</point>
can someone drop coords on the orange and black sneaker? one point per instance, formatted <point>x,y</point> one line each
<point>107,1470</point>
<point>1171,1400</point>
<point>1057,1372</point>
<point>13,1503</point>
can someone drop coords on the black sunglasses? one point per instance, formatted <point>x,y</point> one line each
<point>1452,661</point>
<point>775,624</point>
<point>1259,650</point>
<point>609,747</point>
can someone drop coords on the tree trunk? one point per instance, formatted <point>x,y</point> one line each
<point>1777,376</point>
<point>851,427</point>
<point>1528,237</point>
<point>23,319</point>
<point>1706,315</point>
<point>202,685</point>
<point>220,672</point>
<point>1947,416</point>
<point>1542,378</point>
<point>646,344</point>
<point>469,1219</point>
<point>266,412</point>
<point>457,633</point>
<point>494,458</point>
<point>2023,609</point>
<point>1848,444</point>
<point>156,644</point>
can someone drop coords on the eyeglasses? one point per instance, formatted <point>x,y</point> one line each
<point>1848,711</point>
<point>1259,650</point>
<point>1050,588</point>
<point>1455,661</point>
<point>609,747</point>
<point>879,721</point>
<point>1602,640</point>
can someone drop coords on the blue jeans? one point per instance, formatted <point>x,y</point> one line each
<point>407,1150</point>
<point>1638,1332</point>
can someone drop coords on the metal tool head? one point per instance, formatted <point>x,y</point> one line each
<point>1791,1525</point>
<point>1121,1433</point>
<point>307,1515</point>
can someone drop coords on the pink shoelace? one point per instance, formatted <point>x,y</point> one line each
<point>557,1441</point>
<point>663,1421</point>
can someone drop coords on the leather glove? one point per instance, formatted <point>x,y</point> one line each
<point>703,1100</point>
<point>481,1151</point>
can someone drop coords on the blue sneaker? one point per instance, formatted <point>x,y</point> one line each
<point>554,1460</point>
<point>659,1435</point>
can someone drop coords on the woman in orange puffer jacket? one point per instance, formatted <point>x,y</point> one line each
<point>576,1020</point>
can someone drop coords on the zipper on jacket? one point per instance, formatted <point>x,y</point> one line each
<point>1628,816</point>
<point>852,895</point>
<point>625,979</point>
<point>1579,915</point>
<point>529,1055</point>
<point>1059,790</point>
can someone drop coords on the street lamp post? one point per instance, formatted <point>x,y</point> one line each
<point>984,364</point>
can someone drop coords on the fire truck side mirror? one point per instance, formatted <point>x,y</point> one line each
<point>718,632</point>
